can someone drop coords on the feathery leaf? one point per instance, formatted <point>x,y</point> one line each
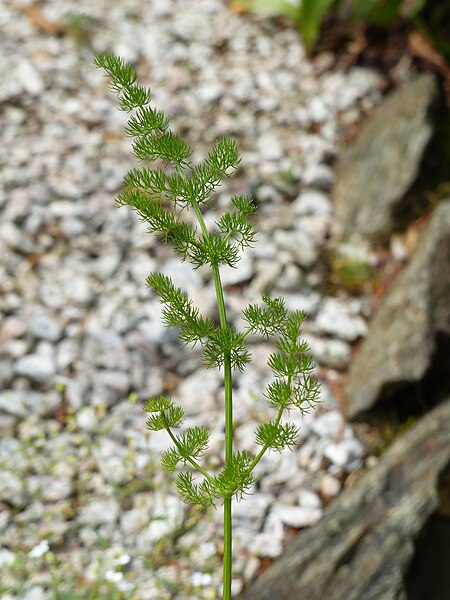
<point>277,436</point>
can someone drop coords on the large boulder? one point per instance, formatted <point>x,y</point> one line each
<point>375,173</point>
<point>413,317</point>
<point>369,540</point>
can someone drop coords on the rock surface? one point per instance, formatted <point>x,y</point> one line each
<point>403,334</point>
<point>375,173</point>
<point>363,546</point>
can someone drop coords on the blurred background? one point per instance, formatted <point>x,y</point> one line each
<point>340,109</point>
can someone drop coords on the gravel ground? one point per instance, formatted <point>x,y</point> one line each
<point>85,509</point>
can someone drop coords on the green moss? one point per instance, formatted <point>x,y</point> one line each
<point>355,275</point>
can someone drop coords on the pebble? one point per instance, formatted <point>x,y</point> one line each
<point>99,512</point>
<point>330,352</point>
<point>44,326</point>
<point>337,453</point>
<point>112,462</point>
<point>309,499</point>
<point>298,516</point>
<point>327,425</point>
<point>303,299</point>
<point>12,489</point>
<point>182,274</point>
<point>36,592</point>
<point>24,403</point>
<point>86,418</point>
<point>37,367</point>
<point>67,352</point>
<point>329,486</point>
<point>6,558</point>
<point>50,489</point>
<point>337,318</point>
<point>134,520</point>
<point>302,247</point>
<point>29,78</point>
<point>242,273</point>
<point>197,392</point>
<point>320,177</point>
<point>79,289</point>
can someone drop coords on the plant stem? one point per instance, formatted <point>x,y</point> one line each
<point>228,382</point>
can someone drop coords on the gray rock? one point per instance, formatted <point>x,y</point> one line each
<point>37,367</point>
<point>328,425</point>
<point>79,289</point>
<point>330,353</point>
<point>12,328</point>
<point>36,592</point>
<point>6,557</point>
<point>104,348</point>
<point>402,335</point>
<point>6,373</point>
<point>111,461</point>
<point>24,403</point>
<point>182,274</point>
<point>72,227</point>
<point>266,275</point>
<point>166,516</point>
<point>290,278</point>
<point>52,294</point>
<point>49,488</point>
<point>338,318</point>
<point>44,326</point>
<point>86,418</point>
<point>364,544</point>
<point>375,173</point>
<point>243,272</point>
<point>134,520</point>
<point>12,489</point>
<point>299,244</point>
<point>99,512</point>
<point>309,499</point>
<point>298,516</point>
<point>304,299</point>
<point>197,393</point>
<point>10,235</point>
<point>338,453</point>
<point>269,147</point>
<point>253,511</point>
<point>320,177</point>
<point>7,425</point>
<point>329,486</point>
<point>29,78</point>
<point>269,543</point>
<point>67,352</point>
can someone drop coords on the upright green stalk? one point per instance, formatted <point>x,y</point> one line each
<point>159,197</point>
<point>227,517</point>
<point>228,381</point>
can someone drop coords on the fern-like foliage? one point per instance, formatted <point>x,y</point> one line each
<point>277,436</point>
<point>164,413</point>
<point>194,493</point>
<point>236,477</point>
<point>162,189</point>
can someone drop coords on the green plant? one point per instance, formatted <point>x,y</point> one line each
<point>308,15</point>
<point>160,195</point>
<point>78,27</point>
<point>355,274</point>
